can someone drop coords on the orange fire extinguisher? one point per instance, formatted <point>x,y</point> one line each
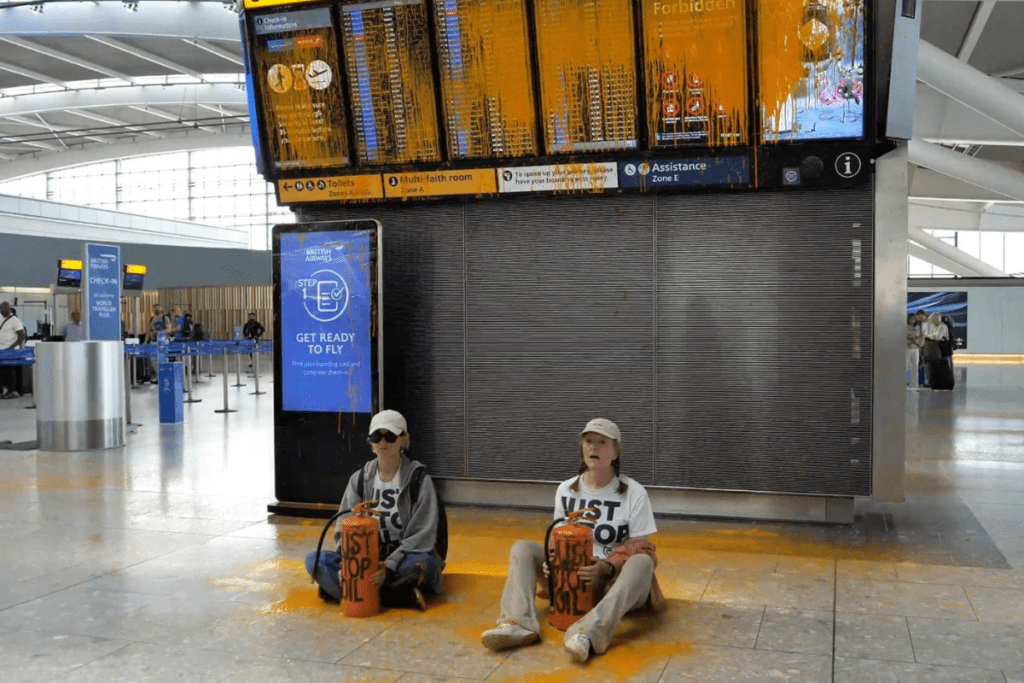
<point>360,560</point>
<point>573,549</point>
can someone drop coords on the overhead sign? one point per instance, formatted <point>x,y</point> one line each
<point>297,190</point>
<point>558,177</point>
<point>101,292</point>
<point>439,183</point>
<point>693,172</point>
<point>325,321</point>
<point>255,4</point>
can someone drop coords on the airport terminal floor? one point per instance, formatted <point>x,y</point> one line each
<point>159,562</point>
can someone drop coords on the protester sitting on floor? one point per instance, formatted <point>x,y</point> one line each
<point>410,563</point>
<point>624,572</point>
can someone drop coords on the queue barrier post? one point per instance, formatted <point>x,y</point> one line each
<point>225,376</point>
<point>238,369</point>
<point>256,368</point>
<point>188,376</point>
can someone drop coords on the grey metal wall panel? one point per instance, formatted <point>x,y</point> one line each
<point>738,358</point>
<point>764,341</point>
<point>560,330</point>
<point>424,354</point>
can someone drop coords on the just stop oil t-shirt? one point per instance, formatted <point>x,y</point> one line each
<point>390,523</point>
<point>619,516</point>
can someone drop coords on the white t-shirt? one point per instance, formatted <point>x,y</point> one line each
<point>620,516</point>
<point>390,522</point>
<point>9,331</point>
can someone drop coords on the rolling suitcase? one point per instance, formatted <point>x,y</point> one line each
<point>941,375</point>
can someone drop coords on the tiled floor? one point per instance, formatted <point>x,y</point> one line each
<point>158,562</point>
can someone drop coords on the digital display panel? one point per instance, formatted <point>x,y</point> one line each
<point>390,81</point>
<point>695,72</point>
<point>300,89</point>
<point>66,277</point>
<point>484,54</point>
<point>133,281</point>
<point>326,314</point>
<point>811,69</point>
<point>588,83</point>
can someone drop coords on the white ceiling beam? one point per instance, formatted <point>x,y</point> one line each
<point>141,95</point>
<point>224,111</point>
<point>171,117</point>
<point>940,118</point>
<point>110,121</point>
<point>148,56</point>
<point>978,22</point>
<point>984,174</point>
<point>1012,71</point>
<point>926,184</point>
<point>29,73</point>
<point>214,50</point>
<point>65,57</point>
<point>929,256</point>
<point>26,166</point>
<point>964,83</point>
<point>958,256</point>
<point>55,129</point>
<point>1003,218</point>
<point>164,18</point>
<point>34,143</point>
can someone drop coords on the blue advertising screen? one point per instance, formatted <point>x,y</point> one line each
<point>326,361</point>
<point>101,296</point>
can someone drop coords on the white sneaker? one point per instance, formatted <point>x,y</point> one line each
<point>578,645</point>
<point>507,634</point>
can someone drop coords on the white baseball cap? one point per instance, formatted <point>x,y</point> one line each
<point>391,420</point>
<point>604,427</point>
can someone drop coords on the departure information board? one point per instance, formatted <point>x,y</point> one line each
<point>297,69</point>
<point>390,81</point>
<point>695,72</point>
<point>484,53</point>
<point>812,69</point>
<point>587,66</point>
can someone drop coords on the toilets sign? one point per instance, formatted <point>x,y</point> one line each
<point>325,321</point>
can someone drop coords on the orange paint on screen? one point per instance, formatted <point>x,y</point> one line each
<point>390,81</point>
<point>484,57</point>
<point>808,61</point>
<point>696,71</point>
<point>587,67</point>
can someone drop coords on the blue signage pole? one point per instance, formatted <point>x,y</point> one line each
<point>101,292</point>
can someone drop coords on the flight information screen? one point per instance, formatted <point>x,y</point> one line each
<point>297,69</point>
<point>588,83</point>
<point>390,81</point>
<point>695,72</point>
<point>811,69</point>
<point>484,57</point>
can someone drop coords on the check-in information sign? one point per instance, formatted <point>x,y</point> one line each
<point>325,321</point>
<point>101,292</point>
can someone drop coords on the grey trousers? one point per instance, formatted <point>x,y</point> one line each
<point>525,570</point>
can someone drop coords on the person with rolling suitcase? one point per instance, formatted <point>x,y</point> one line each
<point>940,371</point>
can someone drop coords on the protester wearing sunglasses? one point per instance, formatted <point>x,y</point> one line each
<point>410,564</point>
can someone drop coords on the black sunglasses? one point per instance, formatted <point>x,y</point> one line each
<point>386,436</point>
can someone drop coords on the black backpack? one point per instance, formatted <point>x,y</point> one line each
<point>441,541</point>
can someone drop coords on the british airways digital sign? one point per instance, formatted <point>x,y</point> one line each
<point>326,315</point>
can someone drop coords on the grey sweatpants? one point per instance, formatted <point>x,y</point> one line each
<point>525,570</point>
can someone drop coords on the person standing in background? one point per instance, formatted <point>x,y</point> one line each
<point>73,329</point>
<point>12,336</point>
<point>252,330</point>
<point>914,341</point>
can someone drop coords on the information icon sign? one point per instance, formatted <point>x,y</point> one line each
<point>848,165</point>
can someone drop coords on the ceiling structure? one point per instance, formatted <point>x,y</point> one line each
<point>89,81</point>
